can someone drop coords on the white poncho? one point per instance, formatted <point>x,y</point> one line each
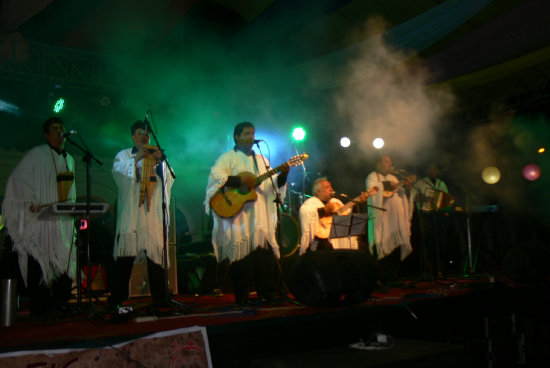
<point>136,228</point>
<point>47,237</point>
<point>391,228</point>
<point>234,238</point>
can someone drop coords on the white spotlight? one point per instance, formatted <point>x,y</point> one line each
<point>345,142</point>
<point>378,143</point>
<point>490,175</point>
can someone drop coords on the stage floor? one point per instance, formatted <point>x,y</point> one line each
<point>463,311</point>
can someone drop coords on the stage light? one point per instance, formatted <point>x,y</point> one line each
<point>531,172</point>
<point>490,175</point>
<point>378,143</point>
<point>298,134</point>
<point>9,108</point>
<point>59,105</point>
<point>541,150</point>
<point>345,142</point>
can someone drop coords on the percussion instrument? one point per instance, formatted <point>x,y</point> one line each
<point>290,235</point>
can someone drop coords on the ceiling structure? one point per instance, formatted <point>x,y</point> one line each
<point>200,66</point>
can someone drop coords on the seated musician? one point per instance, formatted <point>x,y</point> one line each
<point>313,212</point>
<point>42,240</point>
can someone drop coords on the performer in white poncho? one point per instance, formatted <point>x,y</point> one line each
<point>139,215</point>
<point>247,240</point>
<point>389,230</point>
<point>43,241</point>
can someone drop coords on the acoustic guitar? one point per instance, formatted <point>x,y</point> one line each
<point>227,202</point>
<point>325,223</point>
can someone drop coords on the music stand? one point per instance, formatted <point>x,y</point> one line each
<point>348,225</point>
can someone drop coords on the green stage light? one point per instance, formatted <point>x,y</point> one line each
<point>298,134</point>
<point>59,104</point>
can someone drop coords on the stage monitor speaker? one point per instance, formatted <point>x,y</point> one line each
<point>333,278</point>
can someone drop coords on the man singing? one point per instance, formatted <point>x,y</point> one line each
<point>247,239</point>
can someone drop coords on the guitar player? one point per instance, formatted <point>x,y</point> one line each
<point>315,215</point>
<point>247,239</point>
<point>390,214</point>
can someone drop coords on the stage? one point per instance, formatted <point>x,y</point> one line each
<point>472,321</point>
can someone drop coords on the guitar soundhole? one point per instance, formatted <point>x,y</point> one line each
<point>244,189</point>
<point>387,185</point>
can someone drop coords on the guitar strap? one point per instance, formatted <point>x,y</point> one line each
<point>256,169</point>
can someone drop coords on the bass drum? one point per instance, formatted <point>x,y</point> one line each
<point>289,230</point>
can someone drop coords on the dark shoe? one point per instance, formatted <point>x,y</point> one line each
<point>242,297</point>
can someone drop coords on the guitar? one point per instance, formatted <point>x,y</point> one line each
<point>227,202</point>
<point>325,223</point>
<point>391,187</point>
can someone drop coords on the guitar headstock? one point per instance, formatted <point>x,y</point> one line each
<point>363,196</point>
<point>298,160</point>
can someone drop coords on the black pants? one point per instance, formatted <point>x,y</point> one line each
<point>434,242</point>
<point>388,267</point>
<point>259,268</point>
<point>45,298</point>
<point>323,244</point>
<point>121,288</point>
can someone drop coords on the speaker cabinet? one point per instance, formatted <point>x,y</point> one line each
<point>332,278</point>
<point>139,281</point>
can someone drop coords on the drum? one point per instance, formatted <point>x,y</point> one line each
<point>290,234</point>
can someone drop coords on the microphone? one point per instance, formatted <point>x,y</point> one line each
<point>256,141</point>
<point>336,194</point>
<point>66,134</point>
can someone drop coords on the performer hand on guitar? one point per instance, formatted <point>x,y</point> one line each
<point>248,181</point>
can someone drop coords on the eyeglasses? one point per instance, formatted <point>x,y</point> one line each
<point>143,132</point>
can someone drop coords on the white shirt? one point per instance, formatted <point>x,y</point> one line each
<point>427,189</point>
<point>309,220</point>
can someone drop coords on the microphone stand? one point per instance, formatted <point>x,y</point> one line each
<point>88,156</point>
<point>467,195</point>
<point>169,301</point>
<point>278,203</point>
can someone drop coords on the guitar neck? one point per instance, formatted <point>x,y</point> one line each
<point>348,205</point>
<point>267,174</point>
